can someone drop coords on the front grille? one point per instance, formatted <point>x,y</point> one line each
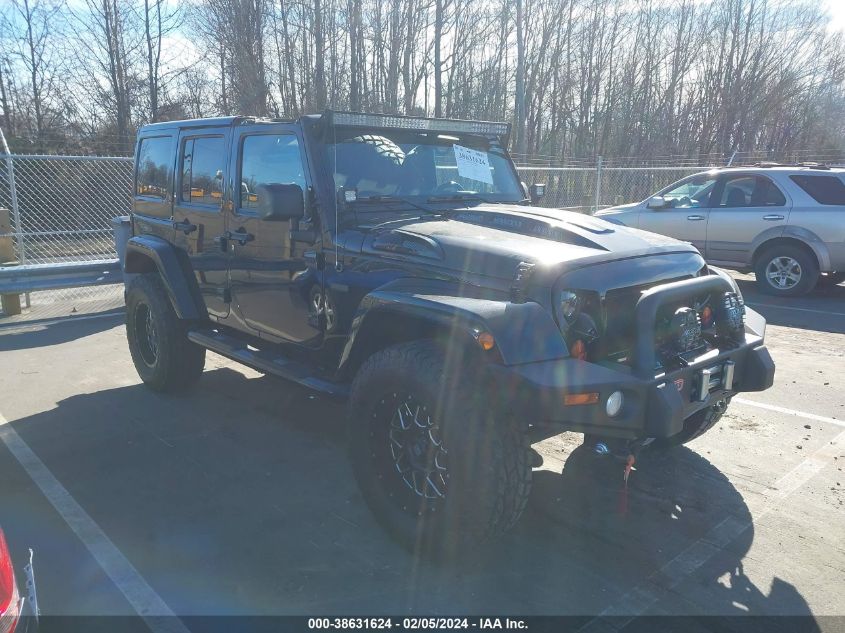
<point>619,320</point>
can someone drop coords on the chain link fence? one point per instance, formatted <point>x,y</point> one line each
<point>587,189</point>
<point>58,209</point>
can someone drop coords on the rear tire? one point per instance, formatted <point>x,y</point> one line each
<point>158,340</point>
<point>786,270</point>
<point>694,426</point>
<point>467,476</point>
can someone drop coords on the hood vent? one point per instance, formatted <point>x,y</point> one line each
<point>406,243</point>
<point>526,225</point>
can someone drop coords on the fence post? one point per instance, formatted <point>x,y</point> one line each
<point>598,184</point>
<point>11,304</point>
<point>13,198</point>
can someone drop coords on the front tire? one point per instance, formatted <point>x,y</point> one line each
<point>440,470</point>
<point>158,340</point>
<point>695,426</point>
<point>786,270</point>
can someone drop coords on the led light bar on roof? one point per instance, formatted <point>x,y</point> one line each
<point>356,119</point>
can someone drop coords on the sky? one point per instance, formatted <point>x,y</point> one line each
<point>836,9</point>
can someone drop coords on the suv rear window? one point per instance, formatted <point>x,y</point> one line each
<point>154,167</point>
<point>823,189</point>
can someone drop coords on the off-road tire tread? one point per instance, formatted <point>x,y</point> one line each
<point>694,427</point>
<point>510,465</point>
<point>180,362</point>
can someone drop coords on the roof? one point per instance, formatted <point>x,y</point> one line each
<point>779,168</point>
<point>355,119</point>
<point>222,121</point>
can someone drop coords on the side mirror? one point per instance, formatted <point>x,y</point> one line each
<point>657,202</point>
<point>280,202</point>
<point>537,191</point>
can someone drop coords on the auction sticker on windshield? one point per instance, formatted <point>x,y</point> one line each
<point>473,164</point>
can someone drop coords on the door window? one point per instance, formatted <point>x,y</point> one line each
<point>154,160</point>
<point>690,193</point>
<point>750,191</point>
<point>268,159</point>
<point>203,161</point>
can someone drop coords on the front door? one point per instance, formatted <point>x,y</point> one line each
<point>198,211</point>
<point>272,277</point>
<point>746,206</point>
<point>686,212</point>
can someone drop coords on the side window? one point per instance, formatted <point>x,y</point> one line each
<point>154,159</point>
<point>751,191</point>
<point>691,193</point>
<point>268,159</point>
<point>823,189</point>
<point>203,161</point>
<point>738,191</point>
<point>767,194</point>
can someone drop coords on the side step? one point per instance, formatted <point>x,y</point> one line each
<point>234,348</point>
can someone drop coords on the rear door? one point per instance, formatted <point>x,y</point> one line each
<point>272,277</point>
<point>686,212</point>
<point>152,211</point>
<point>745,206</point>
<point>198,215</point>
<point>822,212</point>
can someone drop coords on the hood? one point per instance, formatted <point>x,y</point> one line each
<point>617,209</point>
<point>492,240</point>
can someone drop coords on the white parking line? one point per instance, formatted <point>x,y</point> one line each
<point>798,414</point>
<point>774,305</point>
<point>656,586</point>
<point>146,602</point>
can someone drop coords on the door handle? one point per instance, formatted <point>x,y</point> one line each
<point>695,218</point>
<point>185,226</point>
<point>773,218</point>
<point>240,236</point>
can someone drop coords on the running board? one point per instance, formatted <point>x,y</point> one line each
<point>234,348</point>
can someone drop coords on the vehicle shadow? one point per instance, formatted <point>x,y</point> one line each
<point>822,310</point>
<point>31,334</point>
<point>239,499</point>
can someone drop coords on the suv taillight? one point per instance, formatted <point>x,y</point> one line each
<point>9,601</point>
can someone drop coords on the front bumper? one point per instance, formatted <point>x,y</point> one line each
<point>655,404</point>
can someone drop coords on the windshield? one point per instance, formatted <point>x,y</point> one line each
<point>690,193</point>
<point>410,163</point>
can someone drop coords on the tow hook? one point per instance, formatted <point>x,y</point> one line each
<point>620,449</point>
<point>629,466</point>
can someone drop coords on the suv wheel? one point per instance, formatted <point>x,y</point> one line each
<point>438,469</point>
<point>786,270</point>
<point>164,357</point>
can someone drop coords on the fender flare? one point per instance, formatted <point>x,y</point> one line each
<point>523,332</point>
<point>800,234</point>
<point>146,253</point>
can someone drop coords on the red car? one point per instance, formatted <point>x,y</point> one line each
<point>18,613</point>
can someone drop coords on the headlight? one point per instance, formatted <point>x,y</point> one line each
<point>567,305</point>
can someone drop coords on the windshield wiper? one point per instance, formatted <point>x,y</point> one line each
<point>389,198</point>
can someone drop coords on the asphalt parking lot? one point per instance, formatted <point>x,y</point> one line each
<point>238,498</point>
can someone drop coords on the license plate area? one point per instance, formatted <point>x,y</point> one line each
<point>713,378</point>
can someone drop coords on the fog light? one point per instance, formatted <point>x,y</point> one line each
<point>614,403</point>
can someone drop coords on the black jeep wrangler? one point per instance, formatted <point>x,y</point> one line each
<point>398,263</point>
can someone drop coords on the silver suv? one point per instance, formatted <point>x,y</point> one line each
<point>787,224</point>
